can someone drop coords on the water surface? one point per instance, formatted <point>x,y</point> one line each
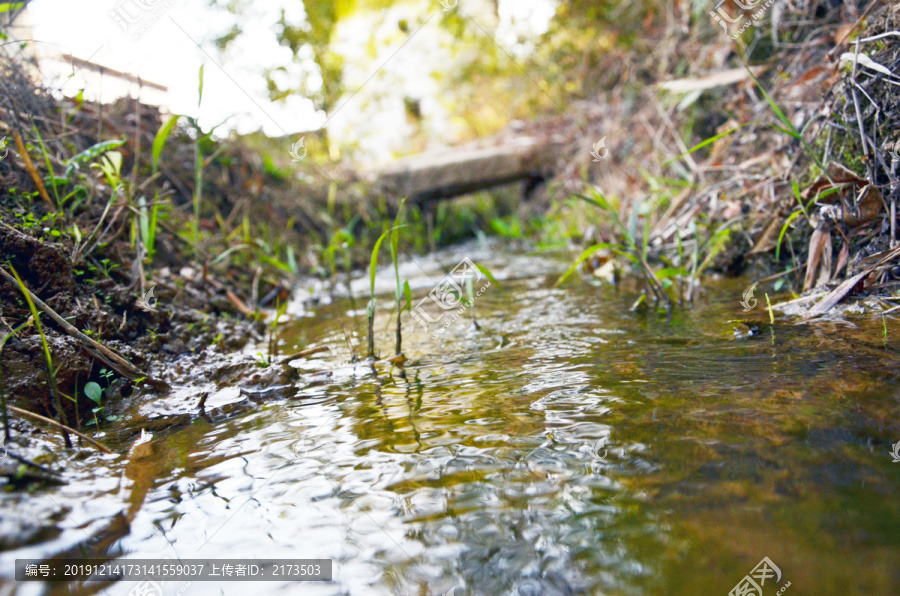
<point>566,446</point>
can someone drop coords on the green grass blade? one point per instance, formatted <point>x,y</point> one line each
<point>48,358</point>
<point>200,90</point>
<point>143,220</point>
<point>706,142</point>
<point>796,188</point>
<point>407,293</point>
<point>632,227</point>
<point>646,239</point>
<point>487,273</point>
<point>784,230</point>
<point>395,249</point>
<point>669,272</point>
<point>275,262</point>
<point>792,131</point>
<point>151,232</point>
<point>159,141</point>
<point>373,262</point>
<point>35,314</point>
<point>601,202</point>
<point>789,133</point>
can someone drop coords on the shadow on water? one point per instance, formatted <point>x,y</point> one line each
<point>568,446</point>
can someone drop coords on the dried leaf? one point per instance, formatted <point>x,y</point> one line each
<point>827,259</point>
<point>843,258</point>
<point>840,177</point>
<point>864,60</point>
<point>843,32</point>
<point>710,81</point>
<point>864,199</point>
<point>768,239</point>
<point>816,246</point>
<point>867,208</point>
<point>838,294</point>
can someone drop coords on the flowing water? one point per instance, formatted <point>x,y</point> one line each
<point>568,446</point>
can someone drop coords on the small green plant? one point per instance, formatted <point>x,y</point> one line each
<point>94,392</point>
<point>403,292</point>
<point>106,375</point>
<point>507,227</point>
<point>108,267</point>
<point>789,128</point>
<point>71,174</point>
<point>147,222</point>
<point>273,336</point>
<point>341,241</point>
<point>162,135</point>
<point>198,163</point>
<point>708,250</point>
<point>370,310</point>
<point>470,289</point>
<point>629,248</point>
<point>110,165</point>
<point>200,159</point>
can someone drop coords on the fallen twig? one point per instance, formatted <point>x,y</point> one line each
<point>306,353</point>
<point>112,358</point>
<point>238,303</point>
<point>22,412</point>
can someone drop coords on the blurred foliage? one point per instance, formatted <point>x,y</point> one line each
<point>313,35</point>
<point>486,85</point>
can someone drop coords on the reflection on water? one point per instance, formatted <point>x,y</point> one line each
<point>566,447</point>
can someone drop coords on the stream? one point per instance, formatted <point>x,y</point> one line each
<point>565,446</point>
